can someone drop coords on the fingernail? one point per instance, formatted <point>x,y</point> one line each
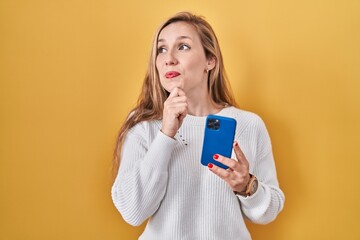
<point>236,144</point>
<point>216,156</point>
<point>210,165</point>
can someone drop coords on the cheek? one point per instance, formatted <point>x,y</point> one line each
<point>196,69</point>
<point>158,63</point>
<point>158,69</point>
<point>197,65</point>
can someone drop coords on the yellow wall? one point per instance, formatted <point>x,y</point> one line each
<point>70,70</point>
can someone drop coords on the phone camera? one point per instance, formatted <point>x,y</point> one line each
<point>213,123</point>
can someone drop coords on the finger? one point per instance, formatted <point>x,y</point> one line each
<point>233,179</point>
<point>220,172</point>
<point>182,116</point>
<point>180,92</point>
<point>239,154</point>
<point>175,102</point>
<point>182,112</point>
<point>231,163</point>
<point>173,93</point>
<point>177,108</point>
<point>177,99</point>
<point>176,92</point>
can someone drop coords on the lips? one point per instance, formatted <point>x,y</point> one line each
<point>172,74</point>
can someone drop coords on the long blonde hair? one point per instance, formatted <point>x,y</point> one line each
<point>151,100</point>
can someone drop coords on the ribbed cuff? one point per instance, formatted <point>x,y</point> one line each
<point>258,199</point>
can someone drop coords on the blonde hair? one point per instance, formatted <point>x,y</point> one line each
<point>152,97</point>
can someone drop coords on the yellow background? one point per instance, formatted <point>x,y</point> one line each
<point>70,70</point>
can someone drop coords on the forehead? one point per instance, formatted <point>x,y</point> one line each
<point>177,30</point>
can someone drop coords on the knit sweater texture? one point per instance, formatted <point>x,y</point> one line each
<point>161,180</point>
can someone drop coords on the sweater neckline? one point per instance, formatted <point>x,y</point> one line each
<point>200,120</point>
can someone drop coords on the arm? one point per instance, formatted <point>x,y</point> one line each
<point>141,182</point>
<point>142,179</point>
<point>266,203</point>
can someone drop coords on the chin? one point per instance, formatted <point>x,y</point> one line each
<point>170,88</point>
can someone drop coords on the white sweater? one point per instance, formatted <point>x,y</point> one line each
<point>162,179</point>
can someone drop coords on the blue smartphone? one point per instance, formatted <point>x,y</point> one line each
<point>218,139</point>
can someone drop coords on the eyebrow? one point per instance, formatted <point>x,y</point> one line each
<point>178,38</point>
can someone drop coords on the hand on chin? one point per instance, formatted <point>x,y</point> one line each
<point>171,88</point>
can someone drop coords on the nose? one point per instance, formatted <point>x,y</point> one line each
<point>170,59</point>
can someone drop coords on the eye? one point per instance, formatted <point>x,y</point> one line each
<point>184,47</point>
<point>161,50</point>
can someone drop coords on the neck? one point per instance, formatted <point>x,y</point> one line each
<point>202,105</point>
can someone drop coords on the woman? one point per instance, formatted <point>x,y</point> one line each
<point>160,178</point>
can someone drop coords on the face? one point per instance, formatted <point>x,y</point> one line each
<point>181,60</point>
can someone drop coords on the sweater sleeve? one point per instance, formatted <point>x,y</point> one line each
<point>142,178</point>
<point>268,201</point>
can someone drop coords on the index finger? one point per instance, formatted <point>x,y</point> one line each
<point>239,154</point>
<point>177,92</point>
<point>231,163</point>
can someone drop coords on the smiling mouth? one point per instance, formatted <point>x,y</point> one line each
<point>172,74</point>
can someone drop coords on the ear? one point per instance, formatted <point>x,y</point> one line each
<point>211,63</point>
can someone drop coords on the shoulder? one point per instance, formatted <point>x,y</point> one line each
<point>245,120</point>
<point>240,115</point>
<point>144,130</point>
<point>146,126</point>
